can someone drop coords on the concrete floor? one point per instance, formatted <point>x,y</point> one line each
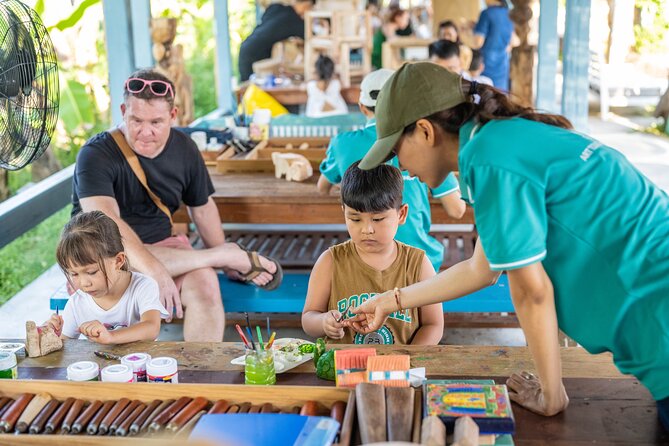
<point>649,153</point>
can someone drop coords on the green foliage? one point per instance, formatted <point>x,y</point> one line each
<point>74,18</point>
<point>650,33</point>
<point>23,260</point>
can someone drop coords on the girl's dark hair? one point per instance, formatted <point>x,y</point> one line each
<point>89,237</point>
<point>374,190</point>
<point>493,104</point>
<point>395,13</point>
<point>451,24</point>
<point>325,67</point>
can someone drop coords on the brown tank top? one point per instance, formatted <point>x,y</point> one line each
<point>354,281</point>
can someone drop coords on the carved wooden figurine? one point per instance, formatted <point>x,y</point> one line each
<point>41,341</point>
<point>295,167</point>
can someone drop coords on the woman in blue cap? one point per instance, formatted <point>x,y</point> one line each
<point>581,233</point>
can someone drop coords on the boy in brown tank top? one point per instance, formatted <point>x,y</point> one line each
<point>371,262</point>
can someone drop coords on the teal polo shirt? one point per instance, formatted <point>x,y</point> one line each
<point>601,229</point>
<point>347,148</point>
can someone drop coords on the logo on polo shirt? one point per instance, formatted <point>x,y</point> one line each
<point>381,336</point>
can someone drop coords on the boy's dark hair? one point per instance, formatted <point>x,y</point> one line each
<point>149,74</point>
<point>325,68</point>
<point>477,60</point>
<point>444,49</point>
<point>89,237</point>
<point>313,2</point>
<point>374,190</point>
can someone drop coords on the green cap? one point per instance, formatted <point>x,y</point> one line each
<point>413,92</point>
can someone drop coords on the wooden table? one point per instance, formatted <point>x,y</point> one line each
<point>261,198</point>
<point>606,407</point>
<point>297,94</point>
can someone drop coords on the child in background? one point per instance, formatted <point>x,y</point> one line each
<point>324,95</point>
<point>448,30</point>
<point>372,261</point>
<point>112,305</point>
<point>476,68</point>
<point>446,54</point>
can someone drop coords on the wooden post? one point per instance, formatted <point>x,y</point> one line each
<point>548,56</point>
<point>140,12</point>
<point>522,56</point>
<point>575,66</point>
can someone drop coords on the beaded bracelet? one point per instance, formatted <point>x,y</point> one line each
<point>396,291</point>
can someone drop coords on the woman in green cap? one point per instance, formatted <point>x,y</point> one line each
<point>581,233</point>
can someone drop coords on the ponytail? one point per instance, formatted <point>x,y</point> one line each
<point>492,104</point>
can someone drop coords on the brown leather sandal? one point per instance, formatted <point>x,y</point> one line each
<point>257,269</point>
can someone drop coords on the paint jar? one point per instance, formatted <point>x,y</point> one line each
<point>137,362</point>
<point>259,367</point>
<point>117,373</point>
<point>8,368</point>
<point>162,370</point>
<point>83,371</point>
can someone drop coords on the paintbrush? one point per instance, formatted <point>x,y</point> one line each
<point>107,356</point>
<point>262,346</point>
<point>241,334</point>
<point>271,341</point>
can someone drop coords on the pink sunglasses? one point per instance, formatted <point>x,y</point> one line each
<point>157,87</point>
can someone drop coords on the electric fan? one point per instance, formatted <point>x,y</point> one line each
<point>28,86</point>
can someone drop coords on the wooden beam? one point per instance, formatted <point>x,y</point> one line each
<point>575,67</point>
<point>26,210</point>
<point>548,56</point>
<point>223,56</point>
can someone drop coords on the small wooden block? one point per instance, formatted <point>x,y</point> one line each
<point>399,412</point>
<point>371,408</point>
<point>433,432</point>
<point>466,432</point>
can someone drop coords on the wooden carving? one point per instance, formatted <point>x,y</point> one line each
<point>41,341</point>
<point>294,167</point>
<point>170,62</point>
<point>522,56</point>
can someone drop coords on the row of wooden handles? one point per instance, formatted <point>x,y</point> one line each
<point>42,413</point>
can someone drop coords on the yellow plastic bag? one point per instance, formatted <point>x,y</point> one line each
<point>254,98</point>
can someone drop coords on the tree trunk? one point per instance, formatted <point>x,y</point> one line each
<point>45,165</point>
<point>4,184</point>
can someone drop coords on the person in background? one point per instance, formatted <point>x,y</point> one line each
<point>324,94</point>
<point>346,148</point>
<point>476,69</point>
<point>398,24</point>
<point>279,22</point>
<point>448,30</point>
<point>446,53</point>
<point>349,273</point>
<point>492,35</point>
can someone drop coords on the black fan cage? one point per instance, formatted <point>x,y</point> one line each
<point>28,86</point>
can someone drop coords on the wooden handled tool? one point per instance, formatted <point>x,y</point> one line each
<point>337,411</point>
<point>466,432</point>
<point>124,428</point>
<point>220,406</point>
<point>92,428</point>
<point>233,409</point>
<point>433,431</point>
<point>14,411</point>
<point>267,408</point>
<point>57,418</point>
<point>121,404</point>
<point>31,411</point>
<point>166,415</point>
<point>146,413</point>
<point>244,407</point>
<point>309,409</point>
<point>371,408</point>
<point>82,420</point>
<point>152,416</point>
<point>72,415</point>
<point>6,406</point>
<point>254,409</point>
<point>188,412</point>
<point>399,413</point>
<point>123,416</point>
<point>40,420</point>
<point>4,401</point>
<point>188,427</point>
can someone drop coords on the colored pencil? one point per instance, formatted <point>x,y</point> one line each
<point>262,346</point>
<point>271,340</point>
<point>241,334</point>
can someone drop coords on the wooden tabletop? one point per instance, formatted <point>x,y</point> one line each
<point>261,198</point>
<point>605,406</point>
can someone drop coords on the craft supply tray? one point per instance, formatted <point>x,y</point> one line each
<point>281,397</point>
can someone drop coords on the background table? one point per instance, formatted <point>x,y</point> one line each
<point>605,406</point>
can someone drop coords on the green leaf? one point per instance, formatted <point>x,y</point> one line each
<point>77,106</point>
<point>39,7</point>
<point>74,18</point>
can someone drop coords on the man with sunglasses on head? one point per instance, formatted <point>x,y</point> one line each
<point>175,172</point>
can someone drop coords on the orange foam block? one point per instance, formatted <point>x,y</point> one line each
<point>389,370</point>
<point>351,365</point>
